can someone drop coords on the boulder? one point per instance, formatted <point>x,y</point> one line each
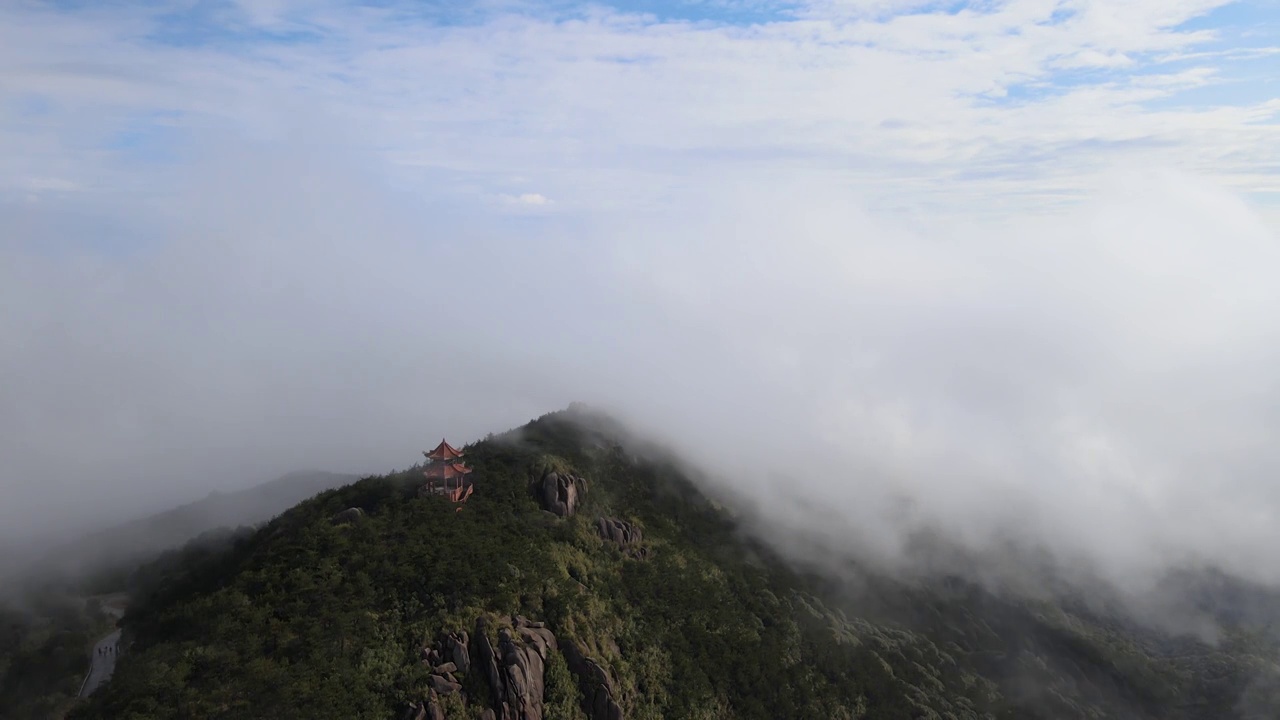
<point>540,639</point>
<point>619,531</point>
<point>434,711</point>
<point>415,711</point>
<point>448,654</point>
<point>560,493</point>
<point>599,697</point>
<point>603,706</point>
<point>516,668</point>
<point>487,660</point>
<point>454,647</point>
<point>349,515</point>
<point>625,535</point>
<point>488,714</point>
<point>539,629</point>
<point>524,667</point>
<point>443,685</point>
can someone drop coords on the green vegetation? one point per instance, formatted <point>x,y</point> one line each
<point>308,618</point>
<point>44,654</point>
<point>102,561</point>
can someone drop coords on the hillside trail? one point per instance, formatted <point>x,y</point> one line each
<point>102,659</point>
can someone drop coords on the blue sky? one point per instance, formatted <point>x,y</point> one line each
<point>569,110</point>
<point>855,79</point>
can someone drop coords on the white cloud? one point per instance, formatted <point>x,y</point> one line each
<point>820,233</point>
<point>527,199</point>
<point>552,101</point>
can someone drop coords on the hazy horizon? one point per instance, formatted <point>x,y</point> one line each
<point>1012,261</point>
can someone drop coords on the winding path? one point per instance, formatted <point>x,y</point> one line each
<point>103,663</point>
<point>102,659</point>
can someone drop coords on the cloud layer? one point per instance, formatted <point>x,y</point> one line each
<point>1097,380</point>
<point>993,260</point>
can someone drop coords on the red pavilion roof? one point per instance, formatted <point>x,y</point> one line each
<point>446,470</point>
<point>444,451</point>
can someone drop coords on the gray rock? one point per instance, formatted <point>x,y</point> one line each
<point>619,531</point>
<point>540,639</point>
<point>524,670</point>
<point>449,654</point>
<point>488,662</point>
<point>434,711</point>
<point>455,650</point>
<point>626,535</point>
<point>599,697</point>
<point>415,711</point>
<point>516,669</point>
<point>560,493</point>
<point>349,515</point>
<point>443,685</point>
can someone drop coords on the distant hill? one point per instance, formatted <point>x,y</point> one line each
<point>584,581</point>
<point>143,538</point>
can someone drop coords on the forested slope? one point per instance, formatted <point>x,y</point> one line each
<point>45,637</point>
<point>644,600</point>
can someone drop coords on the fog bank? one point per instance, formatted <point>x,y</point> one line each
<point>1098,379</point>
<point>1000,272</point>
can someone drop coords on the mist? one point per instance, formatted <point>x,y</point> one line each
<point>1098,378</point>
<point>1091,371</point>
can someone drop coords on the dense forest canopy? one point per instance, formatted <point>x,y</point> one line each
<point>636,597</point>
<point>45,635</point>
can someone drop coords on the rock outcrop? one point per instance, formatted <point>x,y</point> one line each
<point>487,661</point>
<point>599,697</point>
<point>560,493</point>
<point>619,531</point>
<point>454,649</point>
<point>523,669</point>
<point>449,653</point>
<point>626,535</point>
<point>447,656</point>
<point>443,684</point>
<point>349,515</point>
<point>515,669</point>
<point>524,655</point>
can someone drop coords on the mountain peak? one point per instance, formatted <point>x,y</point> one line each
<point>584,580</point>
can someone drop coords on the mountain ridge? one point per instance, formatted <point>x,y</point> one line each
<point>633,596</point>
<point>126,544</point>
